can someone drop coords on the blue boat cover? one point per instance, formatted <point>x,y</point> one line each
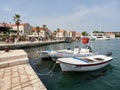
<point>80,59</point>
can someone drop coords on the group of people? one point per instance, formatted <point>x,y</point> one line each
<point>10,40</point>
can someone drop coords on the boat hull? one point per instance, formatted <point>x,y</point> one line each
<point>81,68</point>
<point>66,55</point>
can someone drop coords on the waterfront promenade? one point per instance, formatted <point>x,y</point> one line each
<point>20,77</point>
<point>16,72</point>
<point>24,44</point>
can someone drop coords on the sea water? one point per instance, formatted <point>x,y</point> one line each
<point>107,78</point>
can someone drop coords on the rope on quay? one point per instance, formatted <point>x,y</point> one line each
<point>47,72</point>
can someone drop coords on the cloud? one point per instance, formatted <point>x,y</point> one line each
<point>77,17</point>
<point>84,16</point>
<point>8,10</point>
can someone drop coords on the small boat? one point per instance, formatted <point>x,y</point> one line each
<point>88,63</point>
<point>76,52</point>
<point>66,53</point>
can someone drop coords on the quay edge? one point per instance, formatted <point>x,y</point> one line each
<point>16,72</point>
<point>27,44</point>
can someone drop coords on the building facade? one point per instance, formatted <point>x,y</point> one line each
<point>24,29</point>
<point>111,35</point>
<point>43,33</point>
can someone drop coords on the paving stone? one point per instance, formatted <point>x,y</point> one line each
<point>17,74</point>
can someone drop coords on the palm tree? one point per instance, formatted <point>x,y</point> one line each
<point>74,34</point>
<point>38,31</point>
<point>54,34</point>
<point>64,33</point>
<point>58,30</point>
<point>17,20</point>
<point>44,26</point>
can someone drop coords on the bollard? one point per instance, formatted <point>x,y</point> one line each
<point>6,49</point>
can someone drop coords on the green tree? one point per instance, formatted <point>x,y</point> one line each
<point>64,33</point>
<point>44,26</point>
<point>17,20</point>
<point>84,33</point>
<point>58,30</point>
<point>73,34</point>
<point>98,31</point>
<point>54,34</point>
<point>46,30</point>
<point>38,31</point>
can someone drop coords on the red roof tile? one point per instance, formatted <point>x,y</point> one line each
<point>5,24</point>
<point>21,24</point>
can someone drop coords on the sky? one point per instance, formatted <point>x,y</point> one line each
<point>75,15</point>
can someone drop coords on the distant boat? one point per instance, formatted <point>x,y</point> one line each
<point>99,36</point>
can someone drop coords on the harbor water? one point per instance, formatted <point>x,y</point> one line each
<point>107,78</point>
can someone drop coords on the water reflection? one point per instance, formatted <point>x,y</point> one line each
<point>73,78</point>
<point>67,79</point>
<point>59,80</point>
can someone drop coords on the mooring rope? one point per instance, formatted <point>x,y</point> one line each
<point>49,71</point>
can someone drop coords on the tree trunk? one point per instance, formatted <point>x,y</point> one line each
<point>17,30</point>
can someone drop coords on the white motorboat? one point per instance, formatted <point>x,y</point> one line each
<point>99,36</point>
<point>66,53</point>
<point>88,63</point>
<point>76,52</point>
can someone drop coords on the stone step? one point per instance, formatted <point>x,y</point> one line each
<point>13,62</point>
<point>12,55</point>
<point>12,58</point>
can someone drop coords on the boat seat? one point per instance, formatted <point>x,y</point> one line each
<point>99,59</point>
<point>82,50</point>
<point>76,50</point>
<point>89,60</point>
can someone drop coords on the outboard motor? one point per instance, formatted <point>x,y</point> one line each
<point>108,54</point>
<point>69,48</point>
<point>88,47</point>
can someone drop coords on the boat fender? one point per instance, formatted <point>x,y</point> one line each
<point>69,48</point>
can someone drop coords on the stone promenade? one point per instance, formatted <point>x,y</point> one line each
<point>16,72</point>
<point>23,44</point>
